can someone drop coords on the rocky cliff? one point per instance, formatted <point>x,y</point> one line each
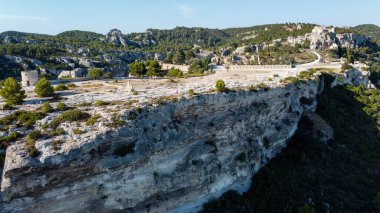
<point>174,157</point>
<point>181,154</point>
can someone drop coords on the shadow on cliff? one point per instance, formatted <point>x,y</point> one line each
<point>340,176</point>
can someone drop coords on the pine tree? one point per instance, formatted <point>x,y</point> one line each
<point>12,92</point>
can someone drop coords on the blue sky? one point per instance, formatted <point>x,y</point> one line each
<point>54,16</point>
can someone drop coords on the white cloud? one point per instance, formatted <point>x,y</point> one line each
<point>22,18</point>
<point>186,10</point>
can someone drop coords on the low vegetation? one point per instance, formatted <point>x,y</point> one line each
<point>61,87</point>
<point>69,116</point>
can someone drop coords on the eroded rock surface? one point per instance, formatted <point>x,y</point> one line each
<point>184,153</point>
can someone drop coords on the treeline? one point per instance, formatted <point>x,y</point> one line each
<point>41,52</point>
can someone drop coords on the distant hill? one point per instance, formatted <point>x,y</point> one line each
<point>370,30</point>
<point>77,34</point>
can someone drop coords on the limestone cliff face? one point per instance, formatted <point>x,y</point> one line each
<point>184,153</point>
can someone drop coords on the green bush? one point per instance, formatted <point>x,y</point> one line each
<point>7,140</point>
<point>61,106</point>
<point>56,144</point>
<point>263,86</point>
<point>71,85</point>
<point>11,92</point>
<point>77,131</point>
<point>220,86</point>
<point>94,73</point>
<point>22,118</point>
<point>33,136</point>
<point>61,87</point>
<point>43,88</point>
<point>46,108</point>
<point>69,116</point>
<point>291,79</point>
<point>134,92</point>
<point>7,106</point>
<point>58,131</point>
<point>191,92</point>
<point>92,121</point>
<point>175,73</point>
<point>101,103</point>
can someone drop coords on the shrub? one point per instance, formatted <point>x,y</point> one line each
<point>92,121</point>
<point>134,92</point>
<point>175,73</point>
<point>71,85</point>
<point>101,103</point>
<point>56,143</point>
<point>43,88</point>
<point>346,66</point>
<point>22,118</point>
<point>58,131</point>
<point>94,73</point>
<point>11,92</point>
<point>61,87</point>
<point>61,106</point>
<point>263,86</point>
<point>6,140</point>
<point>291,79</point>
<point>191,92</point>
<point>108,75</point>
<point>124,149</point>
<point>77,131</point>
<point>305,74</point>
<point>7,106</point>
<point>220,86</point>
<point>46,108</point>
<point>33,136</point>
<point>69,116</point>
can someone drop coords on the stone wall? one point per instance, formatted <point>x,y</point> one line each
<point>183,68</point>
<point>259,67</point>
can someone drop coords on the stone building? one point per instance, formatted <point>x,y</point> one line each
<point>29,78</point>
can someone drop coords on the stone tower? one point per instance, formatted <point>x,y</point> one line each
<point>29,78</point>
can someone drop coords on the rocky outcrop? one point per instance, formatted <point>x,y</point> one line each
<point>326,38</point>
<point>75,73</point>
<point>181,154</point>
<point>116,37</point>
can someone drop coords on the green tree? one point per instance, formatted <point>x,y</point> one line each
<point>46,108</point>
<point>94,73</point>
<point>175,73</point>
<point>44,88</point>
<point>220,86</point>
<point>153,68</point>
<point>189,55</point>
<point>137,68</point>
<point>179,57</point>
<point>12,92</point>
